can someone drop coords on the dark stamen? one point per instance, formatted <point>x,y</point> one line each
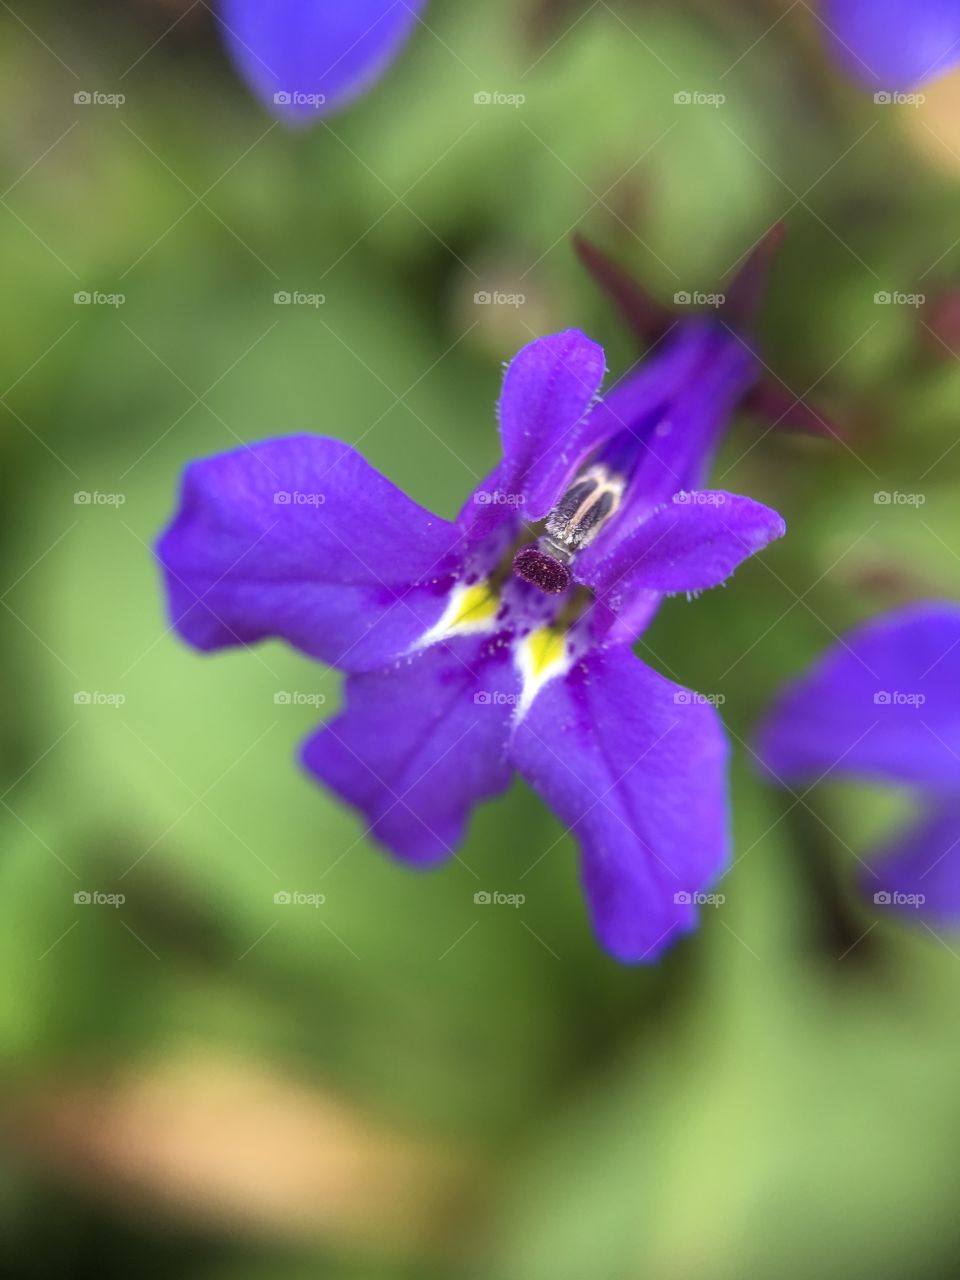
<point>541,570</point>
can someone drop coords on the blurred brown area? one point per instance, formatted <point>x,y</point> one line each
<point>239,1147</point>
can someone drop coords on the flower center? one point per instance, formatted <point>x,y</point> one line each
<point>574,522</point>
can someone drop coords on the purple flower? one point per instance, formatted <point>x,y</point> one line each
<point>894,44</point>
<point>475,647</point>
<point>884,706</point>
<point>308,58</point>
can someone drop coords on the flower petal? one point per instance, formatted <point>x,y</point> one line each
<point>638,407</point>
<point>678,448</point>
<point>694,542</point>
<point>636,767</point>
<point>894,44</point>
<point>418,745</point>
<point>306,58</point>
<point>883,703</point>
<point>301,538</point>
<point>548,388</point>
<point>919,870</point>
<point>532,477</point>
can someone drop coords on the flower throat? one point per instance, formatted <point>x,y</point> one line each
<point>574,522</point>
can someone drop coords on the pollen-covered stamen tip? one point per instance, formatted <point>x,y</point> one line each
<point>541,570</point>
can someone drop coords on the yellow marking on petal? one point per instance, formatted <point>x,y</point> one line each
<point>477,604</point>
<point>469,610</point>
<point>545,647</point>
<point>540,656</point>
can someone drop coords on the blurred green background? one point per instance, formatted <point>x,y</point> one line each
<point>400,1083</point>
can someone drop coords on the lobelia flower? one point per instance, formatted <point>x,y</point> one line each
<point>884,706</point>
<point>309,58</point>
<point>473,648</point>
<point>894,44</point>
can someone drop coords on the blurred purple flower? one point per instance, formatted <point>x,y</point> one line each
<point>309,58</point>
<point>473,648</point>
<point>894,44</point>
<point>884,706</point>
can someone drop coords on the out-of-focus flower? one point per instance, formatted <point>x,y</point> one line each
<point>308,58</point>
<point>236,1144</point>
<point>941,324</point>
<point>501,640</point>
<point>894,44</point>
<point>884,705</point>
